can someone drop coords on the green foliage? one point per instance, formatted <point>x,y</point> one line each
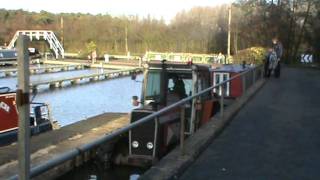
<point>91,46</point>
<point>254,55</point>
<point>294,22</point>
<point>193,31</point>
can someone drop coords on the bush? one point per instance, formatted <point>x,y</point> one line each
<point>254,55</point>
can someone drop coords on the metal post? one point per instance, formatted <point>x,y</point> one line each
<point>222,101</point>
<point>23,108</point>
<point>229,30</point>
<point>61,29</point>
<point>182,127</point>
<point>194,100</point>
<point>126,41</point>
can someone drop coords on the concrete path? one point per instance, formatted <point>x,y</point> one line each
<point>275,136</point>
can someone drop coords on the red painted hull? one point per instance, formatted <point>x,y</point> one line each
<point>8,112</point>
<point>236,86</point>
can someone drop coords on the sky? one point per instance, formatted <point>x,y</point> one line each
<point>166,9</point>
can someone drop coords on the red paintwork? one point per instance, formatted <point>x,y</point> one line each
<point>235,86</point>
<point>8,112</point>
<point>207,111</point>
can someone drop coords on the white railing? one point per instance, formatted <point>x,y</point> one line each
<point>49,36</point>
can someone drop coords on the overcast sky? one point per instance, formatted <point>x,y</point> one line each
<point>156,8</point>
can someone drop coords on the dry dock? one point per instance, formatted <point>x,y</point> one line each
<point>51,144</point>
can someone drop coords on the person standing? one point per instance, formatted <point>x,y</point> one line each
<point>94,56</point>
<point>278,48</point>
<point>270,62</point>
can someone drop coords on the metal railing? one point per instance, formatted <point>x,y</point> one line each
<point>248,77</point>
<point>49,36</point>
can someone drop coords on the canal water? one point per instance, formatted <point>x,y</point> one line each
<point>94,170</point>
<point>74,103</point>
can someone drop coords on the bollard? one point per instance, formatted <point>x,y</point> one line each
<point>51,86</point>
<point>6,74</point>
<point>57,84</point>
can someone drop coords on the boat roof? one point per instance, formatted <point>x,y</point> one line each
<point>232,68</point>
<point>8,54</point>
<point>172,66</point>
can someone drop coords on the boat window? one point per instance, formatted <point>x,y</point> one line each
<point>180,83</point>
<point>225,77</point>
<point>153,85</point>
<point>219,78</point>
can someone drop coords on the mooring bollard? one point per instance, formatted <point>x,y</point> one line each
<point>6,74</point>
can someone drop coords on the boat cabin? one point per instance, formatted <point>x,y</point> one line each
<point>8,55</point>
<point>164,84</point>
<point>234,88</point>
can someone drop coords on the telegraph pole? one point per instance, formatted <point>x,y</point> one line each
<point>126,41</point>
<point>23,108</point>
<point>61,29</point>
<point>229,30</point>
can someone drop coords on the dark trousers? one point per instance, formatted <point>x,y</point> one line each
<point>267,71</point>
<point>277,71</point>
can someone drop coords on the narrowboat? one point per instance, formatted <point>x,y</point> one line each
<point>40,120</point>
<point>164,84</point>
<point>234,88</point>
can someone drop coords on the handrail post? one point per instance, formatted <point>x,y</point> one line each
<point>222,101</point>
<point>243,84</point>
<point>182,128</point>
<point>23,106</point>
